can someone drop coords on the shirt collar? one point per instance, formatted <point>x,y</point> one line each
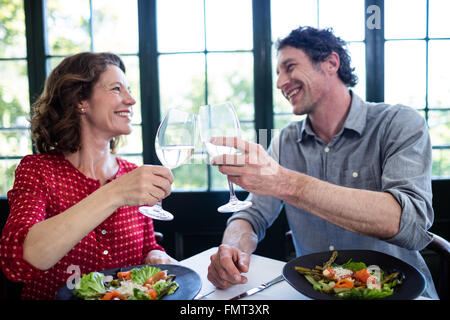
<point>356,118</point>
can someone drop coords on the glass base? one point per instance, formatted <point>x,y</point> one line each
<point>234,206</point>
<point>156,212</point>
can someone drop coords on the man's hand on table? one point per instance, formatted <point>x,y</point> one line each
<point>226,267</point>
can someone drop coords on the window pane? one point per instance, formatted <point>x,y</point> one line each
<point>219,181</point>
<point>115,26</point>
<point>405,19</point>
<point>300,13</point>
<point>438,74</point>
<point>190,176</point>
<point>441,163</point>
<point>229,25</point>
<point>68,18</point>
<point>180,25</point>
<point>15,142</point>
<point>348,23</point>
<point>248,132</point>
<point>7,170</point>
<point>439,124</point>
<point>132,75</point>
<point>182,85</point>
<point>12,29</point>
<point>14,97</point>
<point>290,14</point>
<point>357,52</point>
<point>54,63</point>
<point>439,27</point>
<point>404,73</point>
<point>281,104</point>
<point>131,143</point>
<point>282,120</point>
<point>182,81</point>
<point>230,78</point>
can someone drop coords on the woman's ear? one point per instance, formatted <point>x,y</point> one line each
<point>82,107</point>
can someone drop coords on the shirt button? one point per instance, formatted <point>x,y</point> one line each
<point>327,149</point>
<point>355,174</point>
<point>103,232</point>
<point>331,247</point>
<point>105,252</point>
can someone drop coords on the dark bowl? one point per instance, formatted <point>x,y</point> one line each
<point>189,282</point>
<point>413,282</point>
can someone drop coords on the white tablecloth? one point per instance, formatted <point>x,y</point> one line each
<point>261,270</point>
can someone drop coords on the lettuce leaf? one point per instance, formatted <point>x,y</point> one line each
<point>354,266</point>
<point>139,295</point>
<point>90,286</point>
<point>140,275</point>
<point>165,287</point>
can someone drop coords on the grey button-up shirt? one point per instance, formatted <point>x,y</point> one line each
<point>381,148</point>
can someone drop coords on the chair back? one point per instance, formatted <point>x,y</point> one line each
<point>441,247</point>
<point>8,290</point>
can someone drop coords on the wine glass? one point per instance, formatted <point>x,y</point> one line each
<point>221,120</point>
<point>174,144</point>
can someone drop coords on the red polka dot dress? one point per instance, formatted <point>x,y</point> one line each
<point>46,185</point>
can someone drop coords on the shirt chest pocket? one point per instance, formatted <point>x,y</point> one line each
<point>360,178</point>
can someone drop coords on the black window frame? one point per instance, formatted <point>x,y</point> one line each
<point>197,221</point>
<point>37,61</point>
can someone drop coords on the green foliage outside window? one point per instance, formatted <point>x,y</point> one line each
<point>234,84</point>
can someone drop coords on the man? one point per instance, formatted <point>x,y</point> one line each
<point>352,175</point>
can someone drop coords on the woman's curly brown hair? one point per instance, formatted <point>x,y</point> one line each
<point>55,124</point>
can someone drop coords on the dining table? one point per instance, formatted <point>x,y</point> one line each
<point>262,269</point>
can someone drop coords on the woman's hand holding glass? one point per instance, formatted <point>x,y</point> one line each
<point>174,144</point>
<point>144,185</point>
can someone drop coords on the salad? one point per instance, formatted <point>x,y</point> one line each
<point>145,283</point>
<point>352,280</point>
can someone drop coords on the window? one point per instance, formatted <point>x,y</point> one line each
<point>99,25</point>
<point>205,56</point>
<point>15,138</point>
<point>206,52</point>
<point>348,25</point>
<point>415,70</point>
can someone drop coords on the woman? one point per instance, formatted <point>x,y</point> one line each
<point>74,205</point>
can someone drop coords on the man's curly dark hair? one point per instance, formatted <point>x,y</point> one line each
<point>318,44</point>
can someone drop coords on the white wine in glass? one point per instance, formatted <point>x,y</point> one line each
<point>220,120</point>
<point>174,144</point>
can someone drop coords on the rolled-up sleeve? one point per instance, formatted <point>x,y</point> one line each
<point>407,176</point>
<point>27,206</point>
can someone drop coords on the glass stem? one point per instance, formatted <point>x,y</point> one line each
<point>232,194</point>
